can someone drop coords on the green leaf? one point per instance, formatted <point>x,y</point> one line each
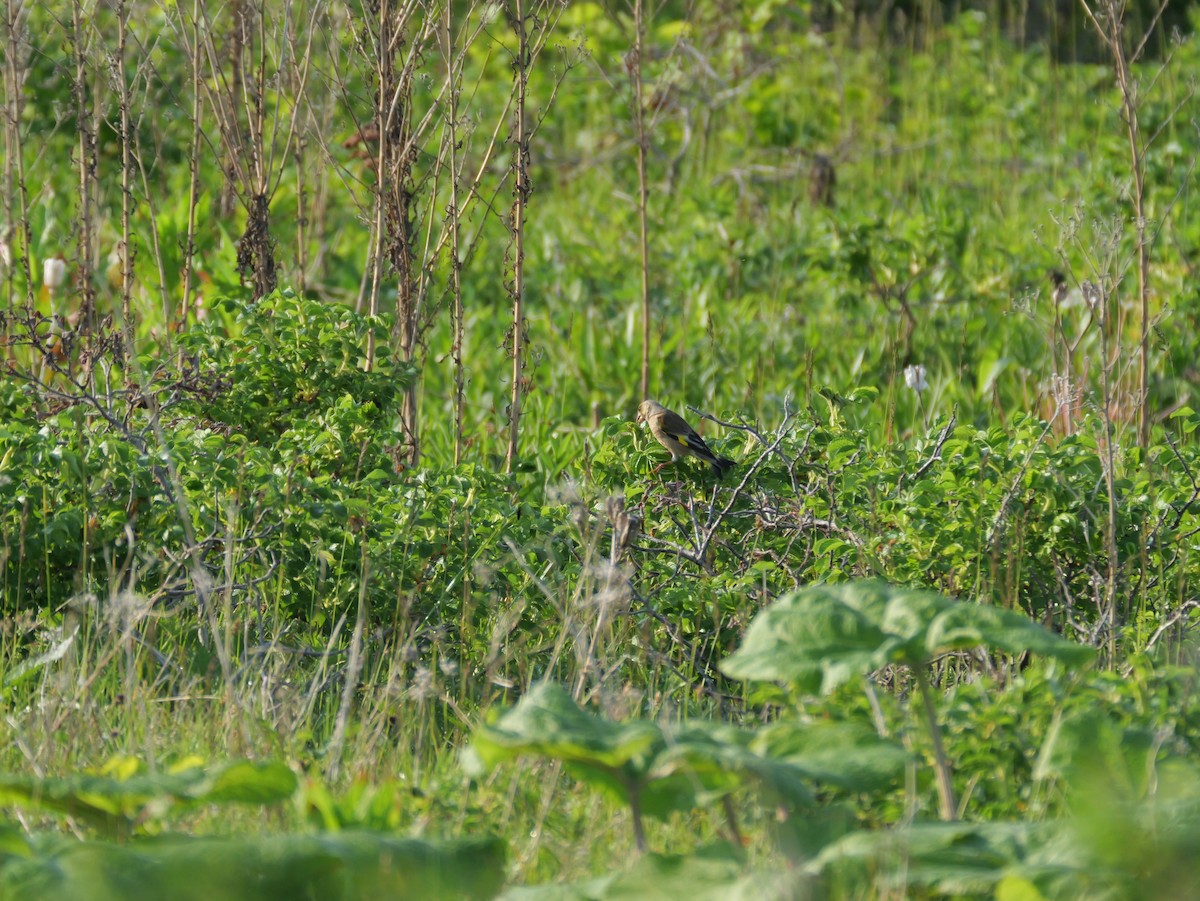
<point>125,793</point>
<point>810,638</point>
<point>974,625</point>
<point>714,873</point>
<point>249,782</point>
<point>990,368</point>
<point>718,759</point>
<point>960,858</point>
<point>547,721</point>
<point>848,756</point>
<point>1088,747</point>
<point>1188,420</point>
<point>820,637</point>
<point>1018,888</point>
<point>348,865</point>
<point>668,770</point>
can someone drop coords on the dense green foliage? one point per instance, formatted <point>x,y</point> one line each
<point>933,635</point>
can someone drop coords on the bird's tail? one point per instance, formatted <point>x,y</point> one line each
<point>721,465</point>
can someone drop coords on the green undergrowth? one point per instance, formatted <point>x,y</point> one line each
<point>303,507</point>
<point>1054,770</point>
<point>466,589</point>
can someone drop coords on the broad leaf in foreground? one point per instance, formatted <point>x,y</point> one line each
<point>962,858</point>
<point>656,770</point>
<point>348,866</point>
<point>112,800</point>
<point>715,873</point>
<point>820,637</point>
<point>547,721</point>
<point>848,756</point>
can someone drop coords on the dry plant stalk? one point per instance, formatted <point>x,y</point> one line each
<point>454,225</point>
<point>17,50</point>
<point>396,140</point>
<point>398,132</point>
<point>395,187</point>
<point>301,160</point>
<point>87,150</point>
<point>531,42</point>
<point>1108,18</point>
<point>1099,301</point>
<point>189,241</point>
<point>256,137</point>
<point>522,189</point>
<point>639,120</point>
<point>126,139</point>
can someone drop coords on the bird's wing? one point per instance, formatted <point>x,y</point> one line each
<point>675,426</point>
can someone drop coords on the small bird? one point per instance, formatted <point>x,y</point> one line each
<point>673,433</point>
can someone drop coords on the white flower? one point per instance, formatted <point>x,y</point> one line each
<point>54,273</point>
<point>5,257</point>
<point>914,377</point>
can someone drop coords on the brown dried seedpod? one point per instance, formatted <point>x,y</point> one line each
<point>822,179</point>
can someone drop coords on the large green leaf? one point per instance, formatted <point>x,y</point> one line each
<point>715,873</point>
<point>962,858</point>
<point>714,759</point>
<point>972,625</point>
<point>341,867</point>
<point>111,801</point>
<point>668,769</point>
<point>246,782</point>
<point>820,637</point>
<point>548,722</point>
<point>848,756</point>
<point>813,638</point>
